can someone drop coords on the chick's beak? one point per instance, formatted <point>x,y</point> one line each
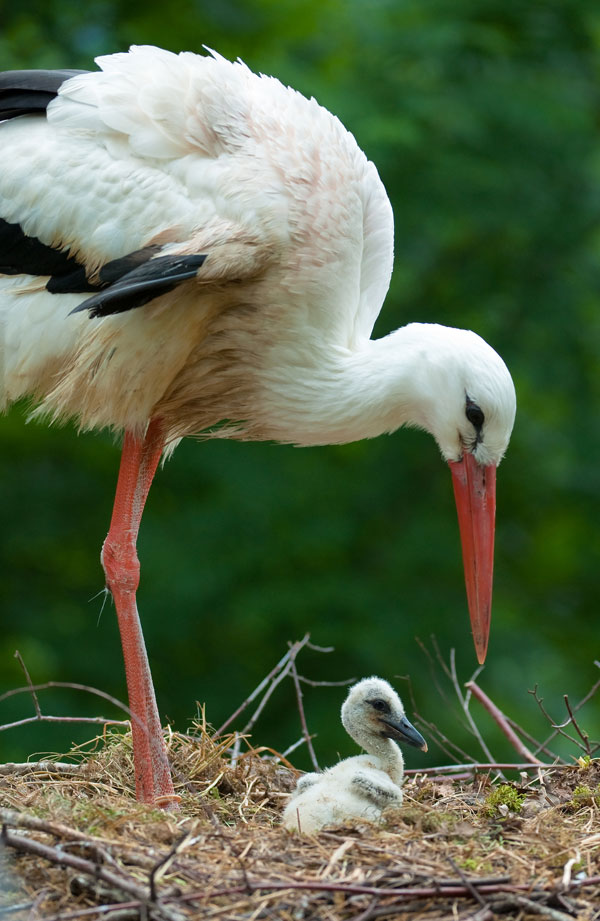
<point>475,495</point>
<point>403,731</point>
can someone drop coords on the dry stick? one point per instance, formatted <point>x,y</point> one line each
<point>44,718</point>
<point>69,685</point>
<point>519,901</point>
<point>281,671</point>
<point>582,735</point>
<point>9,909</point>
<point>500,719</point>
<point>404,894</point>
<point>64,719</point>
<point>369,911</point>
<point>558,730</point>
<point>290,749</point>
<point>479,766</point>
<point>432,669</point>
<point>325,684</point>
<point>305,731</point>
<point>61,857</point>
<point>464,702</point>
<point>161,866</point>
<point>277,679</point>
<point>581,703</point>
<point>282,662</point>
<point>36,702</point>
<point>33,823</point>
<point>436,734</point>
<point>539,747</point>
<point>467,883</point>
<point>42,767</point>
<point>119,910</point>
<point>315,648</point>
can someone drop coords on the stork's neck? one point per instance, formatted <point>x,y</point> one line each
<point>387,753</point>
<point>340,395</point>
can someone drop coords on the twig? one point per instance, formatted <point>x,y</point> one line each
<point>161,866</point>
<point>42,767</point>
<point>519,901</point>
<point>464,702</point>
<point>467,883</point>
<point>64,719</point>
<point>479,766</point>
<point>9,909</point>
<point>582,735</point>
<point>291,748</point>
<point>277,679</point>
<point>69,685</point>
<point>316,648</point>
<point>435,734</point>
<point>558,730</point>
<point>501,720</point>
<point>36,702</point>
<point>591,691</point>
<point>305,732</point>
<point>432,669</point>
<point>61,857</point>
<point>118,912</point>
<point>257,690</point>
<point>538,747</point>
<point>406,893</point>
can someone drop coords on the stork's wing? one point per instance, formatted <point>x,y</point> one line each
<point>23,92</point>
<point>108,194</point>
<point>136,287</point>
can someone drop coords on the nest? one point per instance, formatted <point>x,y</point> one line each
<point>76,844</point>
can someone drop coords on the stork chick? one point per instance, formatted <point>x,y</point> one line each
<point>362,786</point>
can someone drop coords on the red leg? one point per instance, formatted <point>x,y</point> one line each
<point>139,460</point>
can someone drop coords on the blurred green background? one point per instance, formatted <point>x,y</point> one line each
<point>482,117</point>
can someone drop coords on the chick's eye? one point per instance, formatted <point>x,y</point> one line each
<point>380,705</point>
<point>474,414</point>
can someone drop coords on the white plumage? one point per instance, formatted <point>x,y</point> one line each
<point>187,245</point>
<point>362,786</point>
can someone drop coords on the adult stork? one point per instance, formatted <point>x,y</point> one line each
<point>188,246</point>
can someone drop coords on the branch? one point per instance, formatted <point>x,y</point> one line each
<point>64,719</point>
<point>36,702</point>
<point>41,767</point>
<point>582,735</point>
<point>72,686</point>
<point>257,690</point>
<point>558,730</point>
<point>502,722</point>
<point>305,731</point>
<point>464,702</point>
<point>479,766</point>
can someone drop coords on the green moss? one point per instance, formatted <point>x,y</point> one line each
<point>504,795</point>
<point>472,865</point>
<point>583,795</point>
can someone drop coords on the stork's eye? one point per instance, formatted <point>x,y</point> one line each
<point>381,705</point>
<point>474,414</point>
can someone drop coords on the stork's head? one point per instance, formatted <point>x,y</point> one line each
<point>468,404</point>
<point>373,712</point>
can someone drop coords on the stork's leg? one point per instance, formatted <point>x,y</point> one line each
<point>139,459</point>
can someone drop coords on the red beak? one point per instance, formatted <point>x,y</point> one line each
<point>475,494</point>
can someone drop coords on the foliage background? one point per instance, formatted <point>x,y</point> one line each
<point>482,116</point>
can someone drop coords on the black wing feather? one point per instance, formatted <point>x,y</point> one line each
<point>23,255</point>
<point>24,92</point>
<point>122,284</point>
<point>141,285</point>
